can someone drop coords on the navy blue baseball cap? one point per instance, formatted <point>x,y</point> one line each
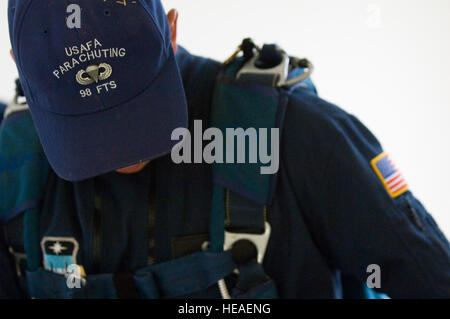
<point>103,86</point>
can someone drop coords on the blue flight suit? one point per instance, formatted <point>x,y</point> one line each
<point>331,216</point>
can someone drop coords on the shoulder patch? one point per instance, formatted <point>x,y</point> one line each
<point>390,176</point>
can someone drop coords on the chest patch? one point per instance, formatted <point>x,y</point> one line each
<point>59,253</point>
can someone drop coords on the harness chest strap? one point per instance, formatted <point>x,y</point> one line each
<point>241,193</point>
<point>180,277</point>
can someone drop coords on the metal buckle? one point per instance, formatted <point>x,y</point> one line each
<point>280,72</point>
<point>259,240</point>
<point>18,257</point>
<point>15,106</point>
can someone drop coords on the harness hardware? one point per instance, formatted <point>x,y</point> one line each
<point>259,240</point>
<point>231,240</point>
<point>270,63</point>
<point>19,258</point>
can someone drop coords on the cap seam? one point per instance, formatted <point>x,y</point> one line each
<point>156,27</point>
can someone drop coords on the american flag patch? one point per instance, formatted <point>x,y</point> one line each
<point>389,175</point>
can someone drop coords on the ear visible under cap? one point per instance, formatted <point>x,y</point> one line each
<point>172,16</point>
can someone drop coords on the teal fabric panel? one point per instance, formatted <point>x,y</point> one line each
<point>239,104</point>
<point>23,166</point>
<point>217,221</point>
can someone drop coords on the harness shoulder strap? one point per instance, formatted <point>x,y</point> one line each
<point>252,91</point>
<point>251,105</point>
<point>23,175</point>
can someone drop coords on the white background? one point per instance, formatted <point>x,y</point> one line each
<point>387,62</point>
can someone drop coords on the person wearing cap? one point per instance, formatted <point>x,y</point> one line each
<point>105,98</point>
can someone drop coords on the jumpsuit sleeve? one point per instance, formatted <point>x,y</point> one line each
<point>368,216</point>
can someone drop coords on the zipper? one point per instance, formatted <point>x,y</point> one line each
<point>97,219</point>
<point>415,218</point>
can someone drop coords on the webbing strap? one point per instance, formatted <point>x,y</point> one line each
<point>176,278</point>
<point>217,220</point>
<point>244,215</point>
<point>31,239</point>
<point>252,107</point>
<point>265,79</point>
<point>233,213</point>
<point>125,286</point>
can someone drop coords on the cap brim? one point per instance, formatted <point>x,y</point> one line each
<point>84,146</point>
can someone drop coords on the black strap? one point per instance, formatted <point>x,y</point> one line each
<point>247,48</point>
<point>13,234</point>
<point>244,215</point>
<point>19,89</point>
<point>269,79</point>
<point>125,286</point>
